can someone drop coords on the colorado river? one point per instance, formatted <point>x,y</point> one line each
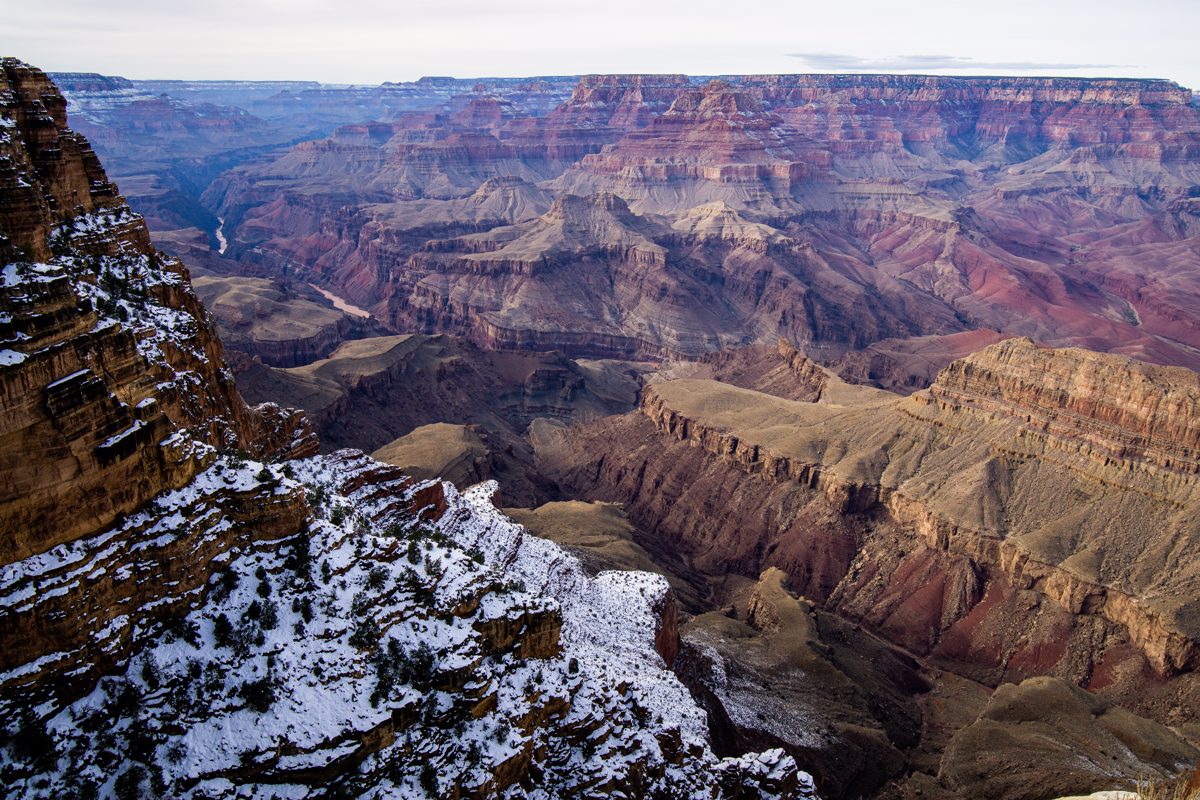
<point>341,304</point>
<point>220,232</point>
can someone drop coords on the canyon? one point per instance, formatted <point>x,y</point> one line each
<point>658,216</point>
<point>194,603</point>
<point>738,436</point>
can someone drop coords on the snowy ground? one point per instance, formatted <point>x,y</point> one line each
<point>359,641</point>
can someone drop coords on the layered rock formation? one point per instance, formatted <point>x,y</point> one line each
<point>592,277</point>
<point>939,520</point>
<point>183,619</point>
<point>281,324</point>
<point>370,392</point>
<point>112,374</point>
<point>165,141</point>
<point>836,211</point>
<point>1045,737</point>
<point>454,453</point>
<point>771,670</point>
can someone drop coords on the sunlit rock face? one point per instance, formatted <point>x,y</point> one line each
<point>1033,512</point>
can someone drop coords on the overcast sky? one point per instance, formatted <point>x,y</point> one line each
<point>371,40</point>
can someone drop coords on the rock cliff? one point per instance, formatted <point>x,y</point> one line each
<point>836,211</point>
<point>112,373</point>
<point>939,520</point>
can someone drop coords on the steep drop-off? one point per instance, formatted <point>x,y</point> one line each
<point>1033,512</point>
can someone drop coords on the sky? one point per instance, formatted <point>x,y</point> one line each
<point>370,41</point>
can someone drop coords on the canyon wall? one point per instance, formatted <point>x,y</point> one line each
<point>182,618</point>
<point>839,212</point>
<point>940,520</point>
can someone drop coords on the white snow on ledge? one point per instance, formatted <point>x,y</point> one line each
<point>435,586</point>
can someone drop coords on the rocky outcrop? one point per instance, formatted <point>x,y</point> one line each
<point>454,453</point>
<point>402,622</point>
<point>938,518</point>
<point>583,269</point>
<point>856,481</point>
<point>1044,738</point>
<point>770,666</point>
<point>1122,409</point>
<point>906,365</point>
<point>112,375</point>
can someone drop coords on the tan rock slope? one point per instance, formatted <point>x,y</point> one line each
<point>980,465</point>
<point>370,392</point>
<point>1034,511</point>
<point>283,324</point>
<point>1045,737</point>
<point>440,450</point>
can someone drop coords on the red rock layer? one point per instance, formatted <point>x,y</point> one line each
<point>999,522</point>
<point>1056,209</point>
<point>1127,409</point>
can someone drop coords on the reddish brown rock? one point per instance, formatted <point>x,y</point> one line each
<point>939,520</point>
<point>858,209</point>
<point>114,391</point>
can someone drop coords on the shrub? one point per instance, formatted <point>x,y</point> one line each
<point>178,626</point>
<point>360,604</point>
<point>377,578</point>
<point>429,781</point>
<point>299,559</point>
<point>33,743</point>
<point>222,630</point>
<point>259,695</point>
<point>270,616</point>
<point>418,667</point>
<point>226,583</point>
<point>316,496</point>
<point>366,635</point>
<point>140,742</point>
<point>1185,787</point>
<point>151,674</point>
<point>128,785</point>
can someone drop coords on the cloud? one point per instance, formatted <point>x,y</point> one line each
<point>842,62</point>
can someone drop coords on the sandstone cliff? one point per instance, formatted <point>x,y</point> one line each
<point>837,211</point>
<point>1000,521</point>
<point>112,376</point>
